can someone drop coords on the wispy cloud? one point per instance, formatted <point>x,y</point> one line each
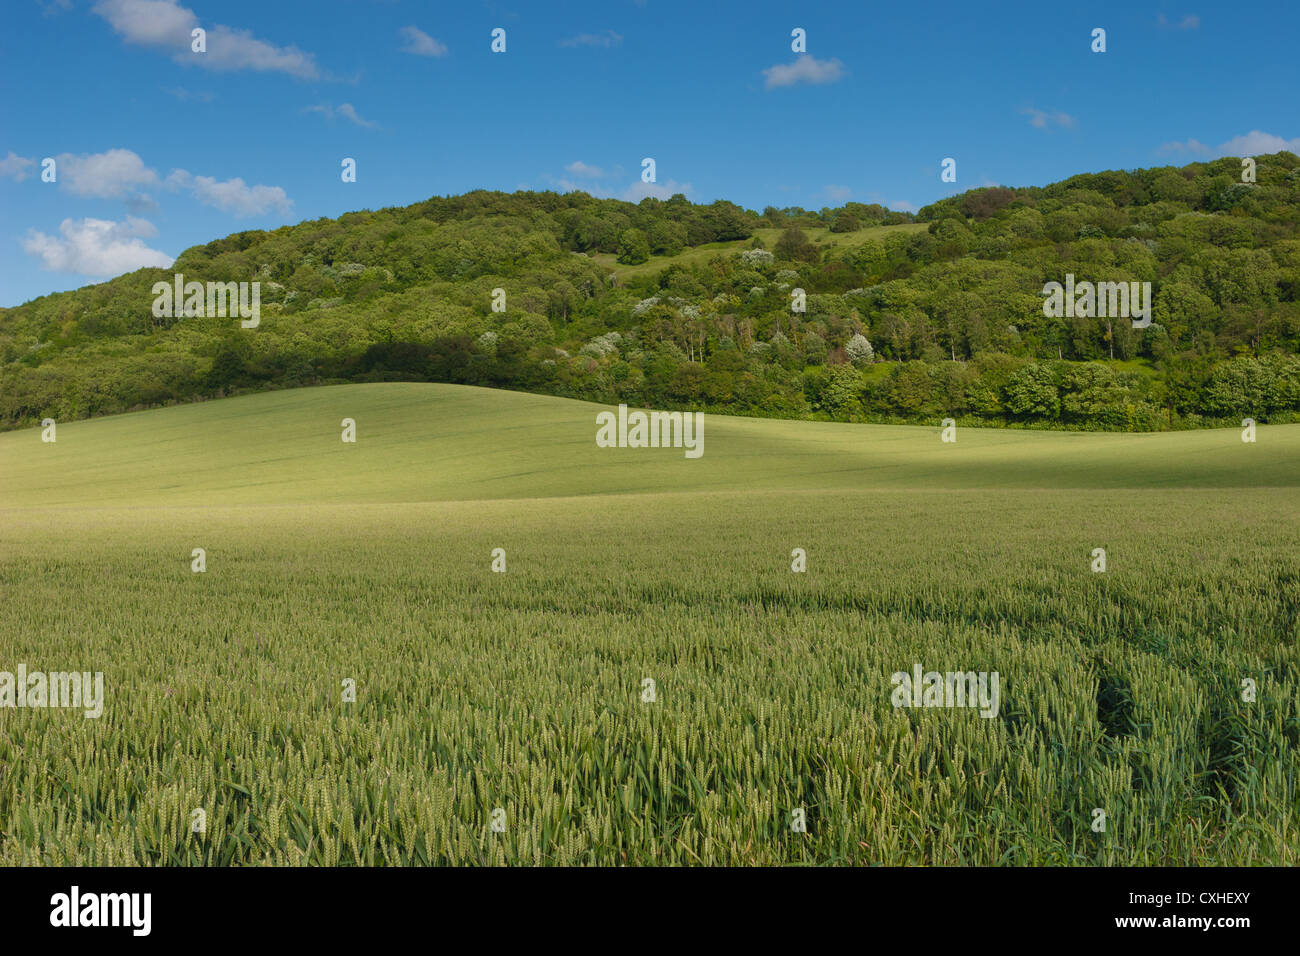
<point>165,26</point>
<point>1043,119</point>
<point>591,185</point>
<point>838,193</point>
<point>584,171</point>
<point>895,205</point>
<point>640,190</point>
<point>606,40</point>
<point>16,167</point>
<point>185,95</point>
<point>420,43</point>
<point>346,110</point>
<point>598,181</point>
<point>1193,146</point>
<point>1189,22</point>
<point>806,69</point>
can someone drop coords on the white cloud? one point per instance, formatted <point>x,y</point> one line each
<point>1189,22</point>
<point>232,195</point>
<point>165,25</point>
<point>96,247</point>
<point>583,171</point>
<point>115,174</point>
<point>108,175</point>
<point>15,167</point>
<point>1042,119</point>
<point>420,43</point>
<point>346,110</point>
<point>839,193</point>
<point>1254,143</point>
<point>606,40</point>
<point>806,69</point>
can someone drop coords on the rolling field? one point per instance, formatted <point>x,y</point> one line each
<point>327,562</point>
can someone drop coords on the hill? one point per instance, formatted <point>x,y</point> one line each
<point>688,306</point>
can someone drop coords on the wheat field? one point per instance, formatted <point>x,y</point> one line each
<point>504,717</point>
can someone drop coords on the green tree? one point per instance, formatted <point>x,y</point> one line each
<point>794,246</point>
<point>633,247</point>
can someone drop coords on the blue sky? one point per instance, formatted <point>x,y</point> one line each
<point>159,148</point>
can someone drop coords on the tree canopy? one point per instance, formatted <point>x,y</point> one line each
<point>907,317</point>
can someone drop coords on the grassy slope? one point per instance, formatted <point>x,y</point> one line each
<point>424,442</point>
<point>698,255</point>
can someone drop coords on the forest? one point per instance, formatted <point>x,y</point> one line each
<point>906,317</point>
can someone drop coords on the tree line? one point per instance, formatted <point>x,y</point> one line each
<point>686,305</point>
